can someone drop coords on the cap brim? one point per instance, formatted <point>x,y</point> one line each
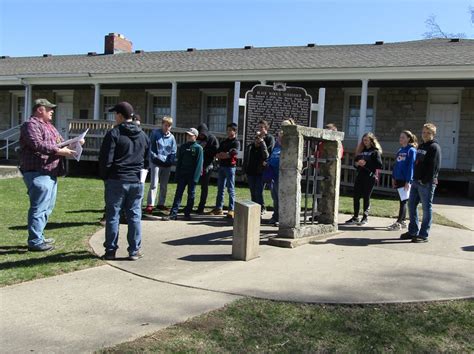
<point>112,110</point>
<point>191,133</point>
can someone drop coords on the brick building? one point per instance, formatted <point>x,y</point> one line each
<point>397,85</point>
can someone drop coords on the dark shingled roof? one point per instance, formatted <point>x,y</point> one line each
<point>434,52</point>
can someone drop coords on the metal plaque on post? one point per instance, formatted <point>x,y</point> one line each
<point>275,104</point>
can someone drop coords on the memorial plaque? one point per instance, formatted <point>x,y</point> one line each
<point>275,104</point>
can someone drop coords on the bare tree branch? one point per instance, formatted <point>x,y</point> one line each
<point>435,31</point>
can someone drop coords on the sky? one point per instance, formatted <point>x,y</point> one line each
<point>36,27</point>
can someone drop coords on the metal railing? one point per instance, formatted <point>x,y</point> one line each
<point>10,138</point>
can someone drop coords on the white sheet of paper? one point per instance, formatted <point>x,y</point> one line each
<point>143,174</point>
<point>73,140</point>
<point>404,194</point>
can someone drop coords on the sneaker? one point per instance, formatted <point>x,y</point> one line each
<point>187,217</point>
<point>406,236</point>
<point>352,221</point>
<point>103,221</point>
<point>108,256</point>
<point>216,212</point>
<point>162,208</point>
<point>135,257</point>
<point>272,221</point>
<point>364,221</point>
<point>419,239</point>
<point>170,217</point>
<point>49,240</point>
<point>200,211</point>
<point>230,214</point>
<point>149,209</point>
<point>395,226</point>
<point>403,224</point>
<point>42,247</point>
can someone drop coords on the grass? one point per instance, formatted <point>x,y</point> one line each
<point>75,218</point>
<point>250,325</point>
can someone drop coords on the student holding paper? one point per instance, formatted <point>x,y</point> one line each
<point>123,155</point>
<point>402,175</point>
<point>41,162</point>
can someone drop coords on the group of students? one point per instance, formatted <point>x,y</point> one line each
<point>414,175</point>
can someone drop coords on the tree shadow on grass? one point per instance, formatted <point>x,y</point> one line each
<point>53,258</point>
<point>85,211</point>
<point>13,250</point>
<point>56,225</point>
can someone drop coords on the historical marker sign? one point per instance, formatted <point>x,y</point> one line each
<point>275,104</point>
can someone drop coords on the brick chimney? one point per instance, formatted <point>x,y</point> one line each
<point>117,43</point>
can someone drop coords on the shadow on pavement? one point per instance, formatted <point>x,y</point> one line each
<point>207,258</point>
<point>361,242</point>
<point>216,238</point>
<point>468,248</point>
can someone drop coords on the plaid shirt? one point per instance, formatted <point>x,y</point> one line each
<point>38,144</point>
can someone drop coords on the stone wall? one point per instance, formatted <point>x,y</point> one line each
<point>84,100</point>
<point>466,131</point>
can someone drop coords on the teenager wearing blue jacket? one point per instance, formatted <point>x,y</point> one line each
<point>162,156</point>
<point>402,173</point>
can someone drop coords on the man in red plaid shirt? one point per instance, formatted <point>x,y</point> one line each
<point>41,162</point>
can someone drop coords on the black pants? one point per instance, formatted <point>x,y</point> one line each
<point>205,178</point>
<point>363,188</point>
<point>402,212</point>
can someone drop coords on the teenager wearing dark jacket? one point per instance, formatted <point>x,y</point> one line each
<point>227,154</point>
<point>255,161</point>
<point>188,171</point>
<point>425,180</point>
<point>402,174</point>
<point>123,154</point>
<point>367,161</point>
<point>210,144</point>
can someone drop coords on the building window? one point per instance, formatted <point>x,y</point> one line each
<point>108,102</point>
<point>161,107</point>
<point>352,113</point>
<point>216,112</point>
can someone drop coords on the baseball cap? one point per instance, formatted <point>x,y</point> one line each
<point>123,108</point>
<point>44,102</point>
<point>192,131</point>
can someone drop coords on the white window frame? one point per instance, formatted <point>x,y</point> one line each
<point>354,91</point>
<point>15,95</point>
<point>151,94</point>
<point>209,93</point>
<point>107,93</point>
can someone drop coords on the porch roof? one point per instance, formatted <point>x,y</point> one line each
<point>422,53</point>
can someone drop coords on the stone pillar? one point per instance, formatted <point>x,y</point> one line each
<point>96,101</point>
<point>289,192</point>
<point>246,236</point>
<point>328,205</point>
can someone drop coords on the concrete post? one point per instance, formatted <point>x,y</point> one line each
<point>246,236</point>
<point>289,192</point>
<point>96,101</point>
<point>363,108</point>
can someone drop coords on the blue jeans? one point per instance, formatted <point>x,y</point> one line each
<point>182,182</point>
<point>42,190</point>
<point>274,190</point>
<point>256,189</point>
<point>226,179</point>
<point>424,194</point>
<point>128,196</point>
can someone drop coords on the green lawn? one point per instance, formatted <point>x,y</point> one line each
<point>266,326</point>
<point>75,218</point>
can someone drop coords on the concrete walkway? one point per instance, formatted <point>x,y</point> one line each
<point>187,271</point>
<point>459,210</point>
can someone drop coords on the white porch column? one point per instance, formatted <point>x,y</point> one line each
<point>174,102</point>
<point>235,115</point>
<point>321,101</point>
<point>28,101</point>
<point>96,101</point>
<point>363,108</point>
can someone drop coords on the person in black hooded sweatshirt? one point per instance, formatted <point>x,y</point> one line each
<point>425,180</point>
<point>123,154</point>
<point>210,144</point>
<point>367,161</point>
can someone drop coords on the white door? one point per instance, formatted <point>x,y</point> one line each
<point>446,119</point>
<point>63,112</point>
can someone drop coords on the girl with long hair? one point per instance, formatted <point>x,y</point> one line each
<point>402,174</point>
<point>368,159</point>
